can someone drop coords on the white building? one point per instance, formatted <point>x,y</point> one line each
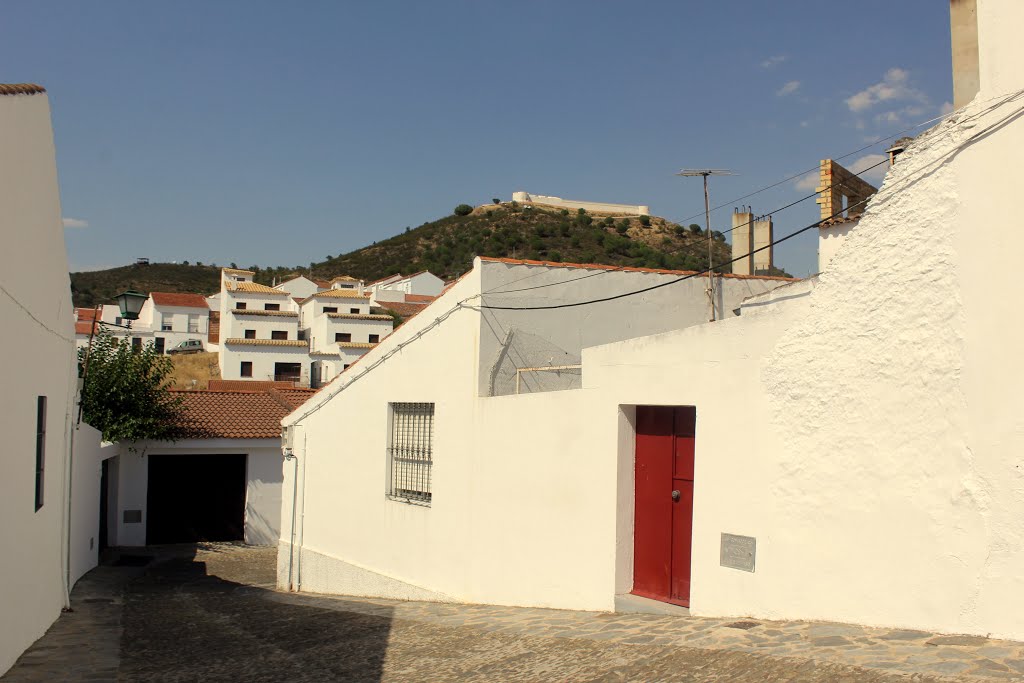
<point>221,482</point>
<point>423,283</point>
<point>172,318</point>
<point>86,324</point>
<point>44,556</point>
<point>300,287</point>
<point>847,449</point>
<point>464,361</point>
<point>266,333</point>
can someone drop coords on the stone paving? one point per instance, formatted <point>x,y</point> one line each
<point>211,614</point>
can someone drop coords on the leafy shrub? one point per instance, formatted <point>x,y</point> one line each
<point>679,230</point>
<point>645,221</point>
<point>696,229</point>
<point>609,221</point>
<point>463,210</point>
<point>496,200</point>
<point>622,228</point>
<point>555,256</point>
<point>564,212</point>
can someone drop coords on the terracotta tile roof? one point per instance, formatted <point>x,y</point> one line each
<point>421,298</point>
<point>358,316</point>
<point>406,310</point>
<point>21,89</point>
<point>356,345</point>
<point>238,271</point>
<point>256,288</point>
<point>267,342</point>
<point>327,354</point>
<point>344,278</point>
<point>838,220</point>
<point>238,414</point>
<point>82,313</point>
<point>322,283</point>
<point>256,311</point>
<point>625,269</point>
<point>179,299</point>
<point>396,277</point>
<point>338,294</point>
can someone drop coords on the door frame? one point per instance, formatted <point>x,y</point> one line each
<point>626,501</point>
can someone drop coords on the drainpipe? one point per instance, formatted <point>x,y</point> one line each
<point>290,455</point>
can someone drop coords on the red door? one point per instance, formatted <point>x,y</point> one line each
<point>663,514</point>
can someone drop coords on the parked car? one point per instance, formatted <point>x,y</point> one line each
<point>187,346</point>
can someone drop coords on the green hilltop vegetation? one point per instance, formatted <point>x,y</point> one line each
<point>446,247</point>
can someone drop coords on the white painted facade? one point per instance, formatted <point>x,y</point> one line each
<point>423,283</point>
<point>572,204</point>
<point>129,479</point>
<point>465,547</point>
<point>173,324</point>
<point>37,361</point>
<point>830,237</point>
<point>299,287</point>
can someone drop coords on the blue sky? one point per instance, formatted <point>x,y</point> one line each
<point>275,133</point>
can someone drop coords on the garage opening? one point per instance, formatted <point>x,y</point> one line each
<point>195,498</point>
<point>287,372</point>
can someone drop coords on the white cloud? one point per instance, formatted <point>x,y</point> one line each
<point>805,124</point>
<point>773,61</point>
<point>894,86</point>
<point>788,89</point>
<point>946,108</point>
<point>807,183</point>
<point>74,223</point>
<point>875,175</point>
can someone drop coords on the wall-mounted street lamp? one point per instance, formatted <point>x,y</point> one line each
<point>130,303</point>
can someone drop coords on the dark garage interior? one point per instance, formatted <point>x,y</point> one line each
<point>195,498</point>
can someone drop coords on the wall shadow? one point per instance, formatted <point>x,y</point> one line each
<point>181,622</point>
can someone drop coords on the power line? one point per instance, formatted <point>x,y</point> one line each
<point>791,235</point>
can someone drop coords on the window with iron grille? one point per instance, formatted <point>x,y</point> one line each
<point>409,452</point>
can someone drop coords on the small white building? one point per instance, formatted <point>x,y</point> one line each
<point>453,371</point>
<point>300,287</point>
<point>341,327</point>
<point>423,283</point>
<point>173,318</point>
<point>220,482</point>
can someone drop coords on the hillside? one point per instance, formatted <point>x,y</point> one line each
<point>101,286</point>
<point>446,247</point>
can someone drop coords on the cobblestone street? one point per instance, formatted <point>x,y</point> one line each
<point>213,615</point>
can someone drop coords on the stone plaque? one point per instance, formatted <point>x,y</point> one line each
<point>738,552</point>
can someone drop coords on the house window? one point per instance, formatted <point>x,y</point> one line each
<point>166,326</point>
<point>330,309</point>
<point>374,338</point>
<point>354,311</point>
<point>409,452</point>
<point>136,344</point>
<point>342,336</point>
<point>279,334</point>
<point>240,306</point>
<point>246,370</point>
<point>271,307</point>
<point>193,324</point>
<point>346,367</point>
<point>40,448</point>
<point>250,334</point>
<point>159,343</point>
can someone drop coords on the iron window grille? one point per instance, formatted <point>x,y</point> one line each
<point>410,454</point>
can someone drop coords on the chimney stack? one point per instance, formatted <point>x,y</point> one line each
<point>963,29</point>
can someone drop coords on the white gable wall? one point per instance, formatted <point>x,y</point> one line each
<point>37,361</point>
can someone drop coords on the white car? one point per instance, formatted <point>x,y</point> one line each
<point>187,346</point>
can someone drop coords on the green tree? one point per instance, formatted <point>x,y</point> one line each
<point>622,227</point>
<point>125,392</point>
<point>695,229</point>
<point>645,221</point>
<point>463,210</point>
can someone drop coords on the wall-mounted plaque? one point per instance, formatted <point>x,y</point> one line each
<point>738,552</point>
<point>132,516</point>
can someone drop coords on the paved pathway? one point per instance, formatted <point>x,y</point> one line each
<point>215,617</point>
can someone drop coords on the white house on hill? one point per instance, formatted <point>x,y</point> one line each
<point>173,318</point>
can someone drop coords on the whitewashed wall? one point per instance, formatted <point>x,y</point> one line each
<point>878,461</point>
<point>89,453</point>
<point>37,360</point>
<point>263,359</point>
